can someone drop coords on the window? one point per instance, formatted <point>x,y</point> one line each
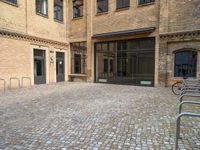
<point>12,1</point>
<point>41,7</point>
<point>123,3</point>
<point>102,6</point>
<point>77,63</point>
<point>145,1</point>
<point>78,57</point>
<point>77,8</point>
<point>58,10</point>
<point>185,64</point>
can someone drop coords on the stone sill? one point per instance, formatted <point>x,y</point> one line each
<point>42,15</point>
<point>13,4</point>
<point>101,13</point>
<point>77,75</point>
<point>122,9</point>
<point>59,21</point>
<point>146,4</point>
<point>77,18</point>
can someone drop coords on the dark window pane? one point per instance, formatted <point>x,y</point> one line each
<point>77,8</point>
<point>111,66</point>
<point>77,63</point>
<point>102,6</point>
<point>123,3</point>
<point>41,6</point>
<point>105,65</point>
<point>58,10</point>
<point>12,1</point>
<point>145,1</point>
<point>185,64</point>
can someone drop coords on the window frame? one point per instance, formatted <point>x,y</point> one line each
<point>62,13</point>
<point>40,13</point>
<point>103,11</point>
<point>122,6</point>
<point>10,3</point>
<point>145,3</point>
<point>174,62</point>
<point>79,48</point>
<point>78,6</point>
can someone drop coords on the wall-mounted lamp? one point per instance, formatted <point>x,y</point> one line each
<point>51,59</point>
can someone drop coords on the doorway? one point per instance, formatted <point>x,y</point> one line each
<point>60,75</point>
<point>39,67</point>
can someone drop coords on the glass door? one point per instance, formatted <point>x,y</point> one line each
<point>60,76</point>
<point>39,67</point>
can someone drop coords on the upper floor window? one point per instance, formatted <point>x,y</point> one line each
<point>41,7</point>
<point>102,6</point>
<point>145,1</point>
<point>12,1</point>
<point>58,10</point>
<point>77,8</point>
<point>123,3</point>
<point>185,64</point>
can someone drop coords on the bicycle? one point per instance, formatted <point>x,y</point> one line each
<point>192,85</point>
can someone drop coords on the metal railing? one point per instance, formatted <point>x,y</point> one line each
<point>4,84</point>
<point>23,78</point>
<point>14,78</point>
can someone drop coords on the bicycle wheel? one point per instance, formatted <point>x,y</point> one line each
<point>176,88</point>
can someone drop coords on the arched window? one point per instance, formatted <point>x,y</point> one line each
<point>185,64</point>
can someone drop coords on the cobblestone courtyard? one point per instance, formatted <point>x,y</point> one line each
<point>93,116</point>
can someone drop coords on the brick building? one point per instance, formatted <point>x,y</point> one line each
<point>139,42</point>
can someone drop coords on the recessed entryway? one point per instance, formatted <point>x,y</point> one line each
<point>39,67</point>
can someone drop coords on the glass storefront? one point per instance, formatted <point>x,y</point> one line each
<point>126,62</point>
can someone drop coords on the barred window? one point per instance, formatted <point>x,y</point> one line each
<point>58,10</point>
<point>145,1</point>
<point>123,3</point>
<point>78,58</point>
<point>77,8</point>
<point>102,6</point>
<point>42,7</point>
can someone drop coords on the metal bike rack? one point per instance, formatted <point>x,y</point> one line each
<point>187,102</point>
<point>188,95</point>
<point>14,78</point>
<point>4,84</point>
<point>26,78</point>
<point>178,121</point>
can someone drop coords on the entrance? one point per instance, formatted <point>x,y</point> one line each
<point>60,76</point>
<point>126,62</point>
<point>39,67</point>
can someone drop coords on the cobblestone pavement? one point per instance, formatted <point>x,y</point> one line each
<point>93,116</point>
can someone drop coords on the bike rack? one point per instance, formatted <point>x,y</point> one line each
<point>26,78</point>
<point>14,78</point>
<point>187,102</point>
<point>4,84</point>
<point>188,95</point>
<point>178,121</point>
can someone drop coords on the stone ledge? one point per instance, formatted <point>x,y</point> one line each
<point>21,36</point>
<point>180,35</point>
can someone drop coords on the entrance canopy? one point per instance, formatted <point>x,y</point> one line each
<point>125,33</point>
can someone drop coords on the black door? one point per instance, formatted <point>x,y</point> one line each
<point>60,76</point>
<point>39,67</point>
